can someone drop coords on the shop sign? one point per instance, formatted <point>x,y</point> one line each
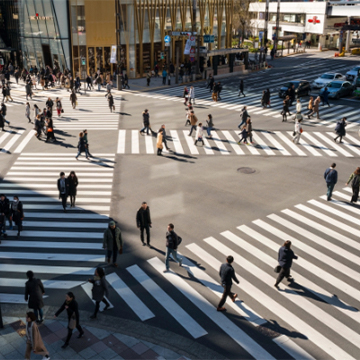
<point>187,47</point>
<point>113,54</point>
<point>209,38</point>
<point>37,17</point>
<point>314,20</point>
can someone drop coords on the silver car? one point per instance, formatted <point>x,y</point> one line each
<point>325,79</point>
<point>352,74</point>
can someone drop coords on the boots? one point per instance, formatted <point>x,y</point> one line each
<point>108,260</point>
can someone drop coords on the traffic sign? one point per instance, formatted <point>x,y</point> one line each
<point>261,35</point>
<point>192,38</point>
<point>209,38</point>
<point>167,38</point>
<point>192,51</point>
<point>192,59</point>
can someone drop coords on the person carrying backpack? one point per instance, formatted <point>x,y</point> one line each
<point>172,243</point>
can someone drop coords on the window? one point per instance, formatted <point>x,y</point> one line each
<point>80,16</point>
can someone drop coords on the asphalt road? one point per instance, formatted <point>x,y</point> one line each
<point>206,197</point>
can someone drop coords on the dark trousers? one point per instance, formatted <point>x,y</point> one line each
<point>330,188</point>
<point>355,195</point>
<point>113,252</point>
<point>72,200</point>
<point>193,127</point>
<point>97,305</point>
<point>284,272</point>
<point>165,143</point>
<point>70,331</point>
<point>147,229</point>
<point>227,292</point>
<point>63,200</point>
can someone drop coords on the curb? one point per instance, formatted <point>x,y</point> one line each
<point>139,330</point>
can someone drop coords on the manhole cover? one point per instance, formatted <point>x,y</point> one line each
<point>246,170</point>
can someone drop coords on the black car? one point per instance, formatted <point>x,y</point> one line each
<point>302,88</point>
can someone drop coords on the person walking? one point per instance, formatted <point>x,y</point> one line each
<point>285,259</point>
<point>192,95</point>
<point>34,291</point>
<point>164,140</point>
<point>28,90</point>
<point>146,122</point>
<point>219,89</point>
<point>227,275</point>
<point>325,96</point>
<point>263,99</point>
<point>5,211</point>
<point>172,243</point>
<point>126,81</point>
<point>72,308</point>
<point>199,134</point>
<point>112,242</point>
<point>4,112</point>
<point>164,76</point>
<point>50,104</point>
<point>248,131</point>
<point>331,177</point>
<point>73,183</point>
<point>49,130</point>
<point>81,147</point>
<point>34,341</point>
<point>186,95</point>
<point>27,111</point>
<point>89,82</point>
<point>143,222</point>
<point>86,142</point>
<point>73,98</point>
<point>310,106</point>
<point>63,187</point>
<point>315,108</point>
<point>193,121</point>
<point>59,107</point>
<point>241,87</point>
<point>2,121</point>
<point>244,116</point>
<point>340,129</point>
<point>110,100</point>
<point>159,142</point>
<point>297,132</point>
<point>99,290</point>
<point>148,78</point>
<point>17,213</point>
<point>354,180</point>
<point>7,93</point>
<point>214,95</point>
<point>210,125</point>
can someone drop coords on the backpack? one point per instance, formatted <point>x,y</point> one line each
<point>179,240</point>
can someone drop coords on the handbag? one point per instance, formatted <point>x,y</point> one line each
<point>62,110</point>
<point>294,133</point>
<point>72,322</point>
<point>277,269</point>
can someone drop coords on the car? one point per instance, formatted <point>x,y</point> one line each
<point>324,79</point>
<point>337,89</point>
<point>352,74</point>
<point>302,88</point>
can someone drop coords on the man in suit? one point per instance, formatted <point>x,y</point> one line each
<point>63,187</point>
<point>143,222</point>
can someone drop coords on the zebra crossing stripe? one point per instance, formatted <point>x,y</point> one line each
<point>289,143</point>
<point>344,205</point>
<point>291,295</point>
<point>135,142</point>
<point>292,348</point>
<point>5,136</point>
<point>181,316</point>
<point>260,143</point>
<point>14,299</point>
<point>288,316</point>
<point>276,144</point>
<point>51,245</point>
<point>22,145</point>
<point>14,139</point>
<point>207,148</point>
<point>241,308</point>
<point>335,146</point>
<point>307,146</point>
<point>52,257</point>
<point>326,296</point>
<point>190,143</point>
<point>176,142</point>
<point>135,304</point>
<point>48,284</point>
<point>234,332</point>
<point>319,145</point>
<point>149,144</point>
<point>331,279</point>
<point>220,145</point>
<point>233,143</point>
<point>88,291</point>
<point>60,270</point>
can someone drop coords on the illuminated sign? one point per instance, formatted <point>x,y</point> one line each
<point>314,20</point>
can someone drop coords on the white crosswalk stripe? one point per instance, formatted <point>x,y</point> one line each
<point>225,142</point>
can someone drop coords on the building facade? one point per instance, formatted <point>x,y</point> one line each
<point>305,20</point>
<point>143,27</point>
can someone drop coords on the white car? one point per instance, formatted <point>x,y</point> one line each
<point>352,74</point>
<point>325,79</point>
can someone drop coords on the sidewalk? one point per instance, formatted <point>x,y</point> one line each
<point>124,339</point>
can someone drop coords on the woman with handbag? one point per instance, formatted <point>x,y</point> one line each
<point>72,310</point>
<point>355,184</point>
<point>297,132</point>
<point>285,258</point>
<point>99,290</point>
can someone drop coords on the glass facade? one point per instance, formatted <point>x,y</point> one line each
<point>44,33</point>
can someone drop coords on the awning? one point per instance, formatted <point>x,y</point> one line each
<point>226,51</point>
<point>287,37</point>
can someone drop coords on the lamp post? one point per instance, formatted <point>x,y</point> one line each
<point>277,25</point>
<point>197,67</point>
<point>118,42</point>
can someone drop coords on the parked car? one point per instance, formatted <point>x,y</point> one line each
<point>325,79</point>
<point>338,89</point>
<point>352,74</point>
<point>302,88</point>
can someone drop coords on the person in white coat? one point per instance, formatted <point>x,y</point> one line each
<point>27,111</point>
<point>297,132</point>
<point>199,134</point>
<point>298,115</point>
<point>36,111</point>
<point>192,95</point>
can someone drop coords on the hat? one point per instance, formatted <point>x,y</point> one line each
<point>112,223</point>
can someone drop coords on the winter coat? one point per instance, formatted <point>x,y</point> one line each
<point>298,107</point>
<point>73,183</point>
<point>81,144</point>
<point>172,240</point>
<point>73,308</point>
<point>35,339</point>
<point>193,119</point>
<point>159,141</point>
<point>5,207</point>
<point>66,186</point>
<point>340,128</point>
<point>2,121</point>
<point>249,128</point>
<point>316,105</point>
<point>192,93</point>
<point>99,289</point>
<point>111,101</point>
<point>146,118</point>
<point>354,180</point>
<point>18,214</point>
<point>108,241</point>
<point>143,217</point>
<point>244,115</point>
<point>27,110</point>
<point>199,132</point>
<point>73,97</point>
<point>331,176</point>
<point>227,274</point>
<point>311,104</point>
<point>325,95</point>
<point>285,257</point>
<point>34,290</point>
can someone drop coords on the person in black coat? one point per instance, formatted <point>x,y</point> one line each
<point>241,87</point>
<point>82,147</point>
<point>72,310</point>
<point>99,290</point>
<point>63,187</point>
<point>34,291</point>
<point>73,183</point>
<point>285,258</point>
<point>143,222</point>
<point>17,213</point>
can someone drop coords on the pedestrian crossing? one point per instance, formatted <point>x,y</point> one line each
<point>231,101</point>
<point>14,141</point>
<point>225,142</point>
<point>320,305</point>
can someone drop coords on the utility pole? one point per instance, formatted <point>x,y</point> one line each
<point>118,43</point>
<point>197,71</point>
<point>266,22</point>
<point>277,25</point>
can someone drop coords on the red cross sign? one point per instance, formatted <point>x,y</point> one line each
<point>314,20</point>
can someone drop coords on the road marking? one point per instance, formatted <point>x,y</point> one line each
<point>319,144</point>
<point>135,142</point>
<point>290,143</point>
<point>181,316</point>
<point>51,245</point>
<point>333,144</point>
<point>149,144</point>
<point>190,143</point>
<point>14,299</point>
<point>121,142</point>
<point>220,145</point>
<point>135,304</point>
<point>22,145</point>
<point>292,348</point>
<point>87,288</point>
<point>276,144</point>
<point>64,270</point>
<point>16,136</point>
<point>233,143</point>
<point>177,144</point>
<point>259,142</point>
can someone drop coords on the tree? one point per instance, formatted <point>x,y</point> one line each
<point>241,16</point>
